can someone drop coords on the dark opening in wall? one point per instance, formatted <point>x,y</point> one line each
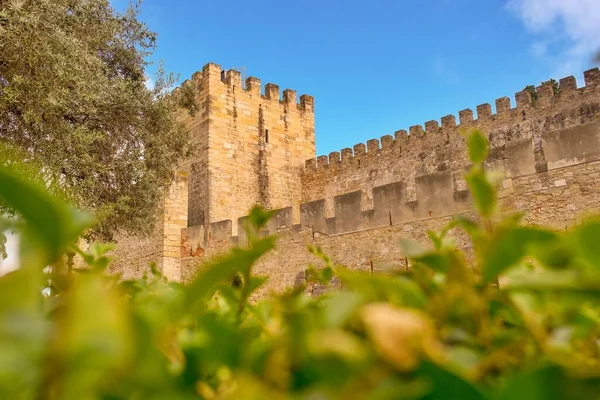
<point>266,136</point>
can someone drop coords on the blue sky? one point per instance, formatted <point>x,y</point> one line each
<point>378,66</point>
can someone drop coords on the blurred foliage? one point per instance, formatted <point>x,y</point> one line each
<point>442,329</point>
<point>76,107</point>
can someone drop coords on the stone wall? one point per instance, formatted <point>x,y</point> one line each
<point>134,253</point>
<point>358,203</point>
<point>427,165</point>
<point>557,198</point>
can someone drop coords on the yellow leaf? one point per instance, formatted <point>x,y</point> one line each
<point>400,335</point>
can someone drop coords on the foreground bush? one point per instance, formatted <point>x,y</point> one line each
<point>443,330</point>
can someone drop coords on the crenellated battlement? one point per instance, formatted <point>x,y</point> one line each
<point>251,87</point>
<point>432,131</point>
<point>395,191</point>
<point>257,147</point>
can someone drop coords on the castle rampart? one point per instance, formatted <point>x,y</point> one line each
<point>358,202</point>
<point>517,137</point>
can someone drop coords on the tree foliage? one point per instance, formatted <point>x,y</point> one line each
<point>533,92</point>
<point>438,331</point>
<point>74,101</point>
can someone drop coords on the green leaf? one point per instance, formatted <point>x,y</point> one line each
<point>23,333</point>
<point>395,388</point>
<point>55,224</point>
<point>316,275</point>
<point>483,191</point>
<point>326,274</point>
<point>412,249</point>
<point>212,275</point>
<point>259,217</point>
<point>256,282</point>
<point>470,226</point>
<point>20,290</point>
<point>509,245</point>
<point>337,307</point>
<point>446,385</point>
<point>436,239</point>
<point>567,280</point>
<point>395,289</point>
<point>547,383</point>
<point>585,240</point>
<point>554,255</point>
<point>478,146</point>
<point>93,340</point>
<point>436,260</point>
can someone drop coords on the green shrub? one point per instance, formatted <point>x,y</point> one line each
<point>442,330</point>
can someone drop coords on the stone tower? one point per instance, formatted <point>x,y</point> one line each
<point>250,146</point>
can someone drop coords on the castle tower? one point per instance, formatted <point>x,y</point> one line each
<point>250,146</point>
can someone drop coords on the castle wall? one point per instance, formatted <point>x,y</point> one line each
<point>251,146</point>
<point>556,198</point>
<point>428,164</point>
<point>134,253</point>
<point>358,203</point>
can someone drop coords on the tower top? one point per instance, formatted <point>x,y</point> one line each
<point>213,73</point>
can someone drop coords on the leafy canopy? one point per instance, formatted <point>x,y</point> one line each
<point>74,103</point>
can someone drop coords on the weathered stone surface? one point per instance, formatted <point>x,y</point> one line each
<point>358,204</point>
<point>312,214</point>
<point>389,207</point>
<point>134,254</point>
<point>348,215</point>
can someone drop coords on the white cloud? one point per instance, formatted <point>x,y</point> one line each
<point>567,31</point>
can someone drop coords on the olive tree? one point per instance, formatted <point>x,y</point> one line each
<point>74,105</point>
